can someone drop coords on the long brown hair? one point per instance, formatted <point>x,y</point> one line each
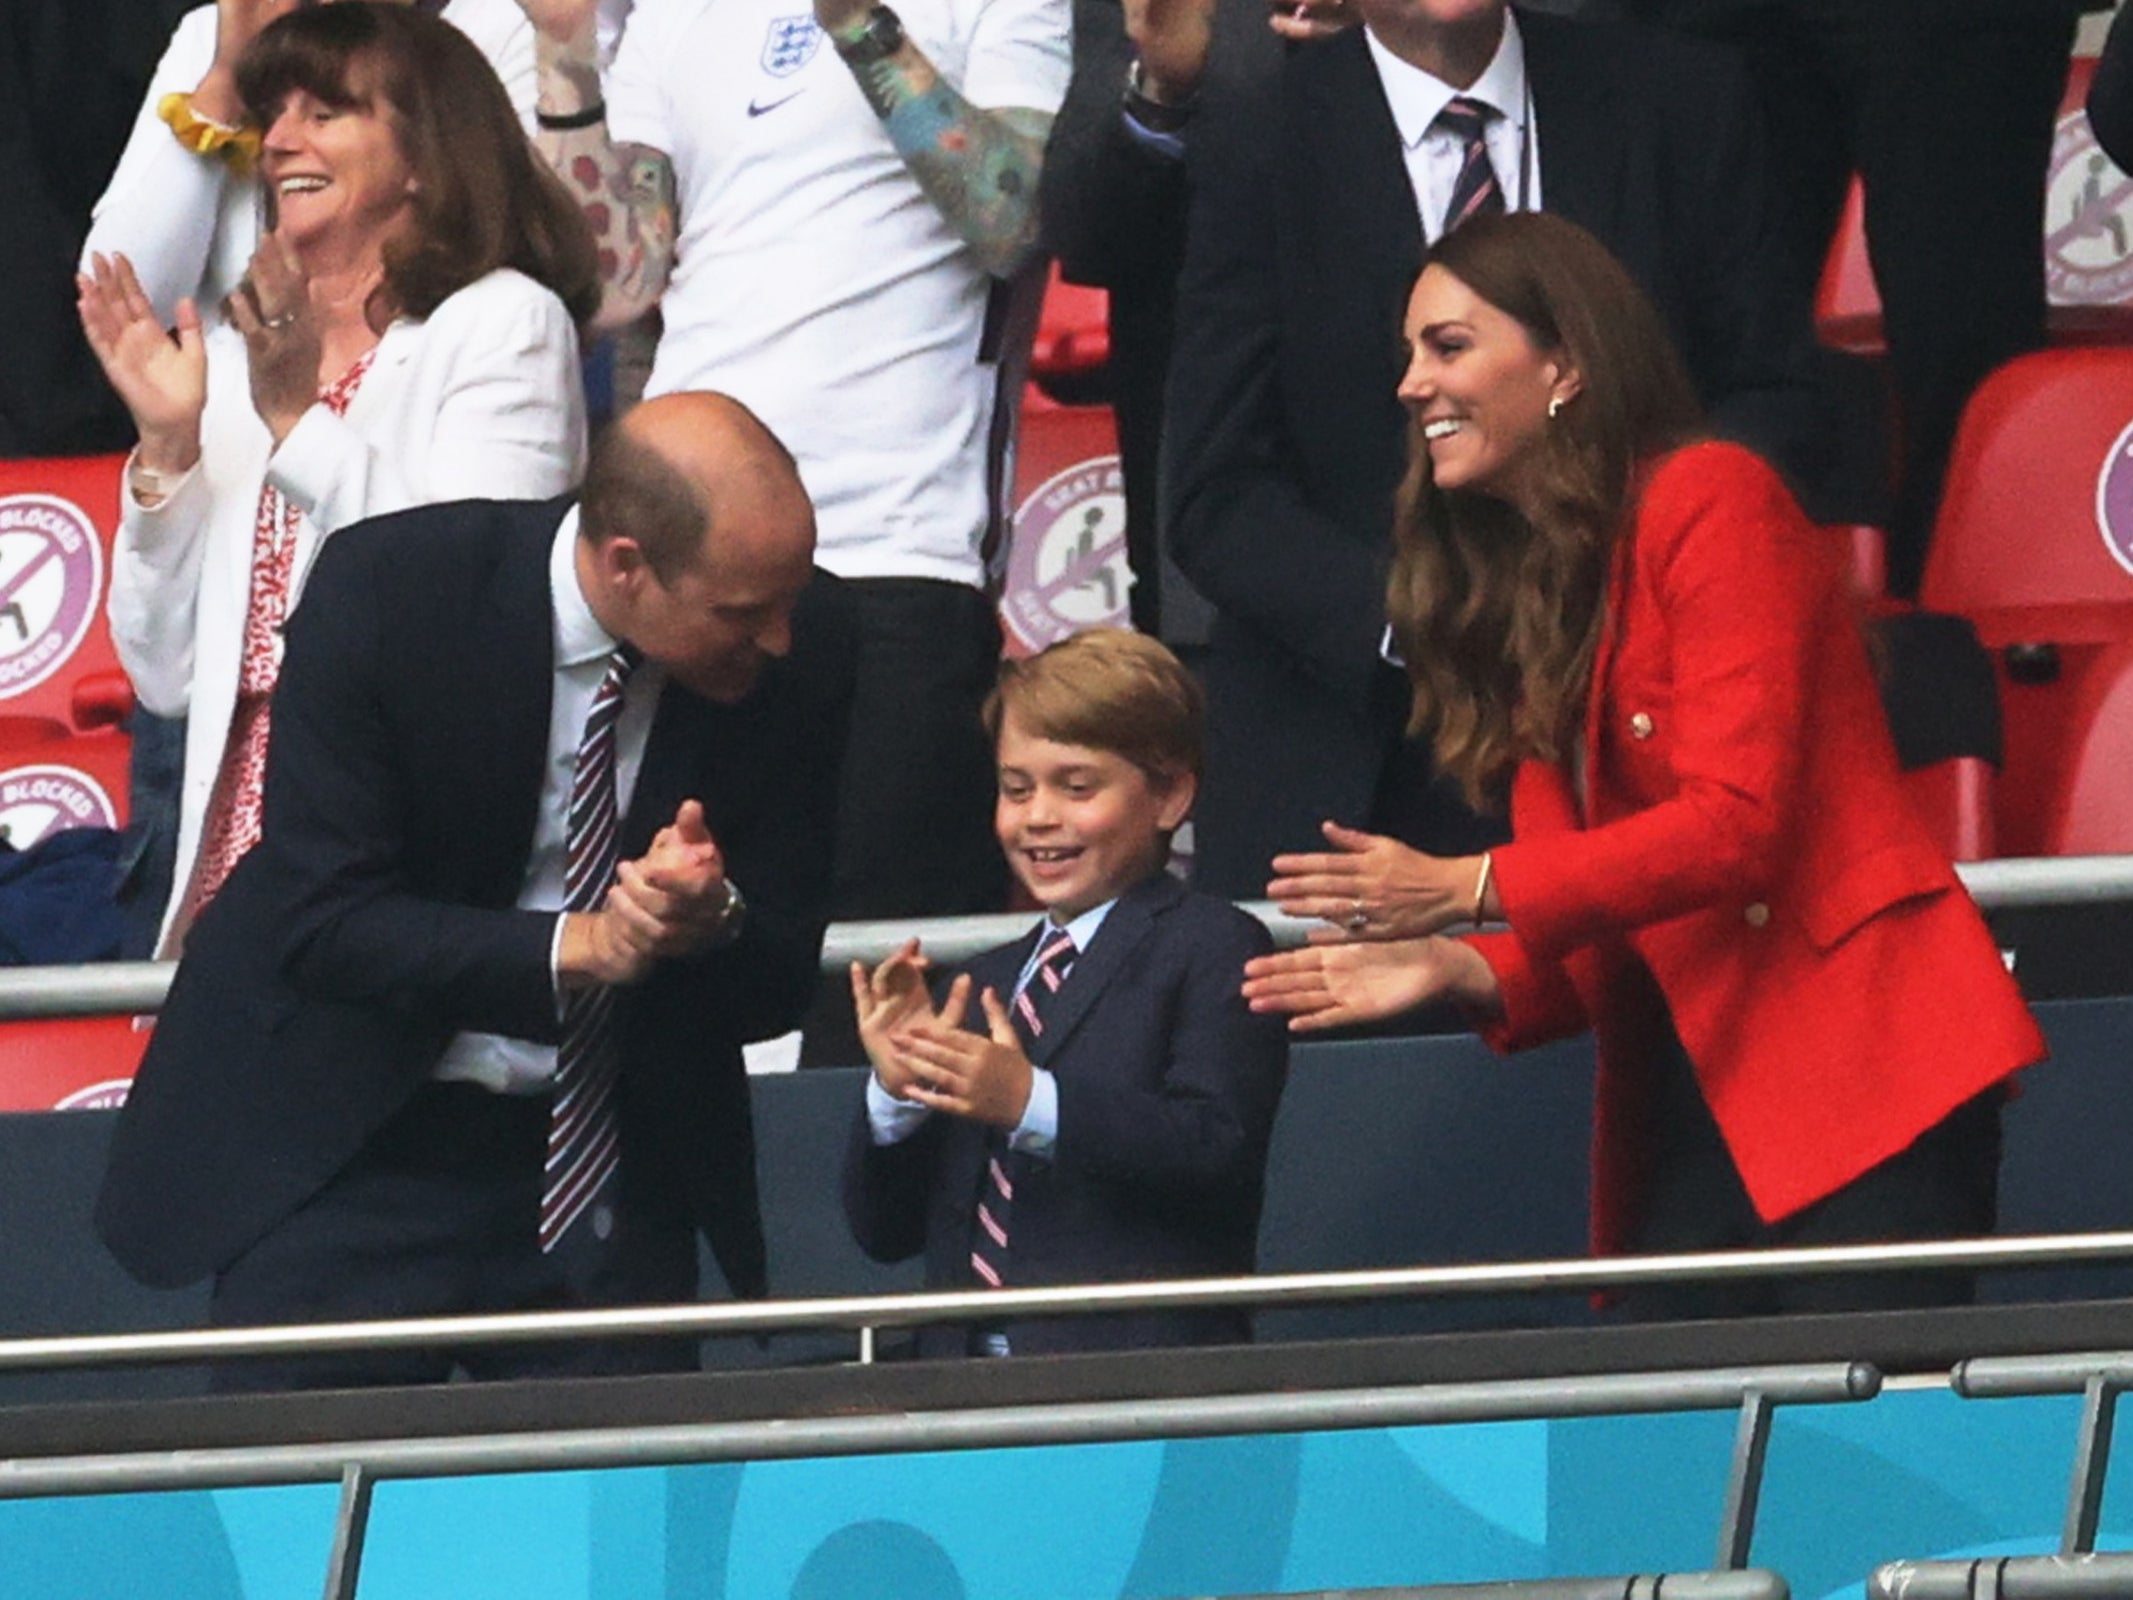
<point>1498,616</point>
<point>483,198</point>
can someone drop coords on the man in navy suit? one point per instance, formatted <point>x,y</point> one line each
<point>345,1109</point>
<point>1107,1114</point>
<point>1313,194</point>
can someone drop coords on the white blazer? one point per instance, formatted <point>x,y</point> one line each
<point>482,400</point>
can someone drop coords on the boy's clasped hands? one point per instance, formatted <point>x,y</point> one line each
<point>926,1056</point>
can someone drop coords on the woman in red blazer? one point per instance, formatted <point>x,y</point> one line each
<point>1803,1023</point>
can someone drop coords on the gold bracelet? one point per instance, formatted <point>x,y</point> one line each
<point>1481,883</point>
<point>204,136</point>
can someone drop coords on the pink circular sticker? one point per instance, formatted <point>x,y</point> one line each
<point>1067,567</point>
<point>51,581</point>
<point>40,800</point>
<point>2088,221</point>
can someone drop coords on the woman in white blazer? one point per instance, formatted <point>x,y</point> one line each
<point>404,335</point>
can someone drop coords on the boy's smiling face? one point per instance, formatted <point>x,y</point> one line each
<point>1080,825</point>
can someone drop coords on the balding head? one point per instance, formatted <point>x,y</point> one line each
<point>695,539</point>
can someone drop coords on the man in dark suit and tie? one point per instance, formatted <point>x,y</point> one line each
<point>432,1050</point>
<point>1313,197</point>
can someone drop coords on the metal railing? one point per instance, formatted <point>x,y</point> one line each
<point>137,988</point>
<point>866,1315</point>
<point>2077,1571</point>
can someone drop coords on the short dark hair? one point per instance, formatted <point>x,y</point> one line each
<point>1108,689</point>
<point>484,199</point>
<point>632,489</point>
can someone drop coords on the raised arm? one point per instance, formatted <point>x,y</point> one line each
<point>979,167</point>
<point>625,190</point>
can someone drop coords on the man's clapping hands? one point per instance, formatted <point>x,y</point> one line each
<point>671,901</point>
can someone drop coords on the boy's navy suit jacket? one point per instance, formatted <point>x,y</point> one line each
<point>1168,1087</point>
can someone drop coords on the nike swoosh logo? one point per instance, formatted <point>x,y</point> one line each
<point>756,109</point>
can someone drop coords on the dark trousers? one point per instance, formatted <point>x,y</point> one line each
<point>914,819</point>
<point>1946,111</point>
<point>436,1217</point>
<point>1945,1184</point>
<point>914,828</point>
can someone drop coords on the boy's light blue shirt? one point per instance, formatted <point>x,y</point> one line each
<point>893,1120</point>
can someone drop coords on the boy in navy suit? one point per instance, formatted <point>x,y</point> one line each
<point>1105,1113</point>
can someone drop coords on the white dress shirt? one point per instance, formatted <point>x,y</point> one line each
<point>1435,155</point>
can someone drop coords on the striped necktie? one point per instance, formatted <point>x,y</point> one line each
<point>584,1141</point>
<point>996,1191</point>
<point>1475,191</point>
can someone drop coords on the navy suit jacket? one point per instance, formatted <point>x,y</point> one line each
<point>376,917</point>
<point>1285,439</point>
<point>1168,1087</point>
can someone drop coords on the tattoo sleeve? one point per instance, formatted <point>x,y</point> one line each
<point>626,191</point>
<point>979,167</point>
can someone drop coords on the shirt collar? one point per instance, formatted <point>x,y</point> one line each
<point>1416,96</point>
<point>1082,929</point>
<point>579,638</point>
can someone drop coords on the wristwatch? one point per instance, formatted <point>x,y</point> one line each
<point>726,926</point>
<point>878,38</point>
<point>1157,116</point>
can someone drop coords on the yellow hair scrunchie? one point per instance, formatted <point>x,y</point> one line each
<point>206,137</point>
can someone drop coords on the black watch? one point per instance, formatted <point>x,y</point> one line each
<point>880,38</point>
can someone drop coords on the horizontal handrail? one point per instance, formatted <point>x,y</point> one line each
<point>137,988</point>
<point>970,1428</point>
<point>2013,1377</point>
<point>860,1313</point>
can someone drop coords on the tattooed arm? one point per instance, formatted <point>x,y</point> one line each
<point>625,190</point>
<point>978,166</point>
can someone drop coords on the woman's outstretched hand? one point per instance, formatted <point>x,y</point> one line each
<point>1372,887</point>
<point>1340,985</point>
<point>161,376</point>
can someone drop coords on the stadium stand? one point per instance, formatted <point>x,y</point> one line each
<point>2026,549</point>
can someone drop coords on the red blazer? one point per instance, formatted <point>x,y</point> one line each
<point>1749,842</point>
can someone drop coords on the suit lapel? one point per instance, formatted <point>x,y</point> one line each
<point>505,669</point>
<point>1122,933</point>
<point>1580,162</point>
<point>1361,178</point>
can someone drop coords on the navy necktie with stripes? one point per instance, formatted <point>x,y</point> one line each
<point>584,1141</point>
<point>996,1190</point>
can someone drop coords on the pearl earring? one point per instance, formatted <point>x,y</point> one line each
<point>1555,406</point>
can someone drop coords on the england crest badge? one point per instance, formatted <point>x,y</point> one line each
<point>789,44</point>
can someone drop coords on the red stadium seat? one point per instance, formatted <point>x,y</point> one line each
<point>1073,330</point>
<point>2035,546</point>
<point>2093,813</point>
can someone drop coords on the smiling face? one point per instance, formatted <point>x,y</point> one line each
<point>1080,825</point>
<point>339,180</point>
<point>1479,386</point>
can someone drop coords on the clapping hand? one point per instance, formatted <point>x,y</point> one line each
<point>161,377</point>
<point>1310,19</point>
<point>1341,985</point>
<point>674,897</point>
<point>983,1076</point>
<point>1172,38</point>
<point>1372,887</point>
<point>272,309</point>
<point>887,1002</point>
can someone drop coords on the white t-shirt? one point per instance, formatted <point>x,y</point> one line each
<point>813,280</point>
